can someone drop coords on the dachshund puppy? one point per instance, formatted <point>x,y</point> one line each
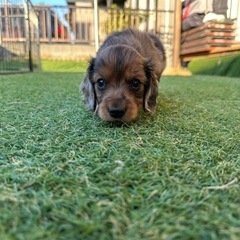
<point>124,76</point>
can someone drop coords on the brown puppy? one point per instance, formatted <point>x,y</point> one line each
<point>124,76</point>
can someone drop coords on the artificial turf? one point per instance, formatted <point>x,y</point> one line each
<point>64,174</point>
<point>63,66</point>
<point>221,66</point>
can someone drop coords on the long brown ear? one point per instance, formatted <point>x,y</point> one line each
<point>87,87</point>
<point>151,89</point>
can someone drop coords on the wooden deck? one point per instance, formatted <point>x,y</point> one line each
<point>209,40</point>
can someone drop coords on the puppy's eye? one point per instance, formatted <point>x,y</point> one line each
<point>135,84</point>
<point>101,83</point>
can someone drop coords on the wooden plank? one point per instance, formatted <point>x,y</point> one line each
<point>203,48</point>
<point>235,47</point>
<point>210,49</point>
<point>206,32</point>
<point>213,26</point>
<point>177,34</point>
<point>207,40</point>
<point>213,52</point>
<point>188,58</point>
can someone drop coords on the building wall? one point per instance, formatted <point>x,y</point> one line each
<point>58,51</point>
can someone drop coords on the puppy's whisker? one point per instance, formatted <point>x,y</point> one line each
<point>96,109</point>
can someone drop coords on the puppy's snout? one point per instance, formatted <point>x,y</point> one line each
<point>116,112</point>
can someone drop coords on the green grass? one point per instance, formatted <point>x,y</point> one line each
<point>221,66</point>
<point>63,66</point>
<point>64,174</point>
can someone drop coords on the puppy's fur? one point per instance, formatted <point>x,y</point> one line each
<point>124,76</point>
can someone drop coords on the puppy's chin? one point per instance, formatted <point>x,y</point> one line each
<point>131,112</point>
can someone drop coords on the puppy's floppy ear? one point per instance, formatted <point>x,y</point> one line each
<point>151,89</point>
<point>87,87</point>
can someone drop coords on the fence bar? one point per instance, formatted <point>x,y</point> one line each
<point>29,39</point>
<point>19,38</point>
<point>177,35</point>
<point>96,24</point>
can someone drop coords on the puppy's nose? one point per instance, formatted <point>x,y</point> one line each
<point>116,112</point>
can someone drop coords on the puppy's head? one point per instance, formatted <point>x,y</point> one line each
<point>119,81</point>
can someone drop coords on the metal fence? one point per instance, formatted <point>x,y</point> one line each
<point>67,24</point>
<point>19,37</point>
<point>76,24</point>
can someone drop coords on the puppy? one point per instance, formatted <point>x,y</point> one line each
<point>124,76</point>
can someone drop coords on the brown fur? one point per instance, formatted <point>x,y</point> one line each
<point>124,76</point>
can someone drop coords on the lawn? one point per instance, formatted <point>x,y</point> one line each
<point>64,174</point>
<point>221,66</point>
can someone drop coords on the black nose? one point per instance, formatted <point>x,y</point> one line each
<point>116,112</point>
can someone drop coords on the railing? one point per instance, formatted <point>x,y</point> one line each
<point>68,24</point>
<point>75,25</point>
<point>19,38</point>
